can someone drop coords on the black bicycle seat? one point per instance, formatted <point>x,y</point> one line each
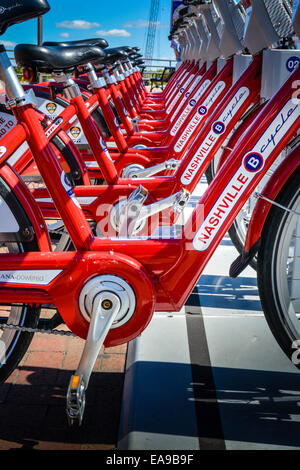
<point>22,10</point>
<point>135,56</point>
<point>112,55</point>
<point>139,63</point>
<point>100,42</point>
<point>55,59</point>
<point>128,49</point>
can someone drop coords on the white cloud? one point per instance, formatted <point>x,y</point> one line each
<point>77,24</point>
<point>64,35</point>
<point>114,32</point>
<point>8,44</point>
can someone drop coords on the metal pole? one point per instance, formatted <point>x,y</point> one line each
<point>40,40</point>
<point>40,30</point>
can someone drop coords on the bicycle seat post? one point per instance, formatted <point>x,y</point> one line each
<point>13,88</point>
<point>71,89</point>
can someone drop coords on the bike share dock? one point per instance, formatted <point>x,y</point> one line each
<point>211,376</point>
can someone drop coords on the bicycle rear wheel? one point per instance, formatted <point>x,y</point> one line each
<point>279,269</point>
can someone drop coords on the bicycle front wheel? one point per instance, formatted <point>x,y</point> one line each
<point>13,343</point>
<point>279,269</point>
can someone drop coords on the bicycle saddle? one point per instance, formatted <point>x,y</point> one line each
<point>112,55</point>
<point>134,56</point>
<point>128,49</point>
<point>100,42</point>
<point>21,10</point>
<point>138,62</point>
<point>59,59</point>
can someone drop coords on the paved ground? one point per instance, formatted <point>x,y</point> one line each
<point>32,401</point>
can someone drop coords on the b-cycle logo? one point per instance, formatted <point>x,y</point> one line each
<point>217,129</point>
<point>202,110</point>
<point>169,109</point>
<point>251,165</point>
<point>188,108</point>
<point>253,162</point>
<point>184,114</point>
<point>197,119</point>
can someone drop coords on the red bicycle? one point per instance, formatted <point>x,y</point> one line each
<point>106,290</point>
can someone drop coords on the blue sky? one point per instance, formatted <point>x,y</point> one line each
<point>120,22</point>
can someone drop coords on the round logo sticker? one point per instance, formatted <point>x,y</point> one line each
<point>202,110</point>
<point>219,127</point>
<point>51,107</point>
<point>292,63</point>
<point>75,131</point>
<point>253,162</point>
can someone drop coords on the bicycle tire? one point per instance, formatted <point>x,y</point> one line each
<point>14,344</point>
<point>274,275</point>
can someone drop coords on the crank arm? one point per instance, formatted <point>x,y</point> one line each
<point>105,308</point>
<point>177,201</point>
<point>135,172</point>
<point>134,218</point>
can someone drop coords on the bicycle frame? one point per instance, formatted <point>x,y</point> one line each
<point>171,266</point>
<point>211,94</point>
<point>236,102</point>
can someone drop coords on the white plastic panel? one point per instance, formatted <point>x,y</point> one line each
<point>221,64</point>
<point>8,221</point>
<point>240,63</point>
<point>277,66</point>
<point>208,64</point>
